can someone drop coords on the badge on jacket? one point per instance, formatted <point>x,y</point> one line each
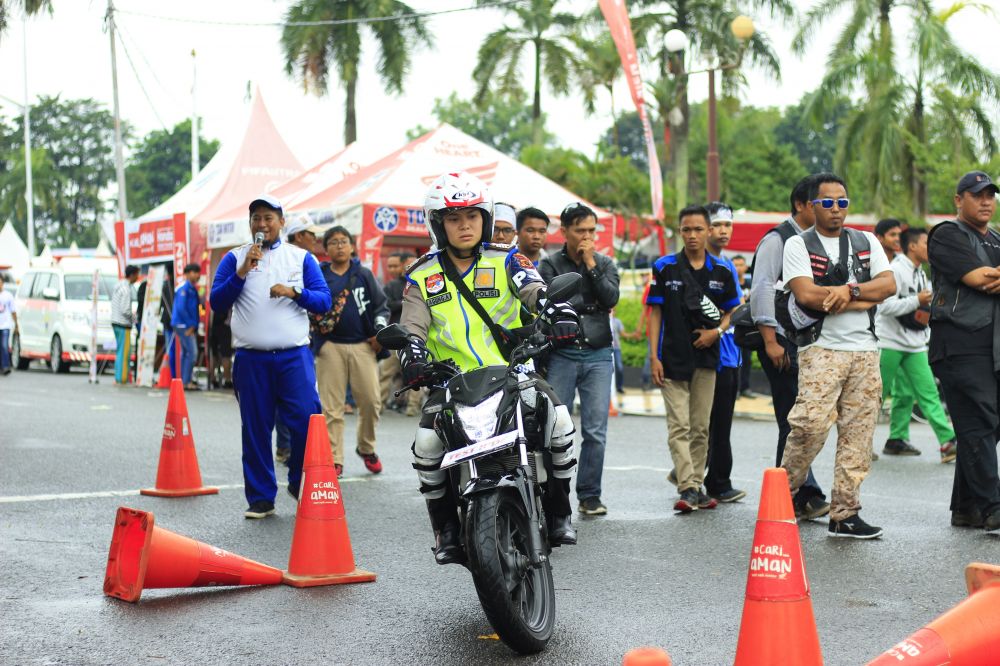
<point>434,284</point>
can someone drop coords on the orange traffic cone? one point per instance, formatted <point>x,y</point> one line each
<point>178,474</point>
<point>968,634</point>
<point>321,547</point>
<point>646,656</point>
<point>164,379</point>
<point>143,555</point>
<point>778,624</point>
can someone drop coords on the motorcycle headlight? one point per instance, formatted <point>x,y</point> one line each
<point>479,421</point>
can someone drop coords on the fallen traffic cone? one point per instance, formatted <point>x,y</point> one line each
<point>646,656</point>
<point>164,379</point>
<point>321,547</point>
<point>178,474</point>
<point>968,634</point>
<point>143,555</point>
<point>778,624</point>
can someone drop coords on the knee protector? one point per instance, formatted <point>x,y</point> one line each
<point>428,450</point>
<point>560,430</point>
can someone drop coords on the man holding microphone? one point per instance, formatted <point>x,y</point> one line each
<point>270,285</point>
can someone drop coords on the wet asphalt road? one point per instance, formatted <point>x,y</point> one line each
<point>640,576</point>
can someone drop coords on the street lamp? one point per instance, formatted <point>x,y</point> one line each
<point>675,40</point>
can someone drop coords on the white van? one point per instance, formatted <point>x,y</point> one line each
<point>53,313</point>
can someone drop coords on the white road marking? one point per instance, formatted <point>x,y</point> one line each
<point>16,499</point>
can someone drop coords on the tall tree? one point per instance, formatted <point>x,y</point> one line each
<point>30,7</point>
<point>498,64</point>
<point>161,164</point>
<point>707,25</point>
<point>312,51</point>
<point>72,163</point>
<point>890,124</point>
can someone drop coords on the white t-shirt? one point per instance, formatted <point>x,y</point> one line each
<point>6,308</point>
<point>847,331</point>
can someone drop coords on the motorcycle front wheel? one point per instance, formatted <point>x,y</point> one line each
<point>520,601</point>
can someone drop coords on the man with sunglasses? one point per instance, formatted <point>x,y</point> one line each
<point>965,345</point>
<point>837,276</point>
<point>586,367</point>
<point>779,358</point>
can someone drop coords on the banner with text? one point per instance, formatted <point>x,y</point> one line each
<point>616,14</point>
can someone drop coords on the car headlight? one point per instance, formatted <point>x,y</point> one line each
<point>479,421</point>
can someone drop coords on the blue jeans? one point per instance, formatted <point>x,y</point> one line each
<point>591,376</point>
<point>4,348</point>
<point>123,352</point>
<point>189,349</point>
<point>619,372</point>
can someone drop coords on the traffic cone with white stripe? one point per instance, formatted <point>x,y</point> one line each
<point>778,625</point>
<point>178,474</point>
<point>144,555</point>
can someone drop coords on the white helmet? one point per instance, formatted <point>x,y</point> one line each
<point>456,190</point>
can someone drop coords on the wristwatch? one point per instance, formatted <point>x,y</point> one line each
<point>296,292</point>
<point>855,292</point>
<point>720,331</point>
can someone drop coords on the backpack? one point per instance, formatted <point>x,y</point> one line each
<point>803,325</point>
<point>745,331</point>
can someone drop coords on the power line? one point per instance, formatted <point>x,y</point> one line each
<point>138,79</point>
<point>152,70</point>
<point>281,24</point>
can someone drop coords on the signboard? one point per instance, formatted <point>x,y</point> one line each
<point>228,233</point>
<point>152,241</point>
<point>180,245</point>
<point>147,335</point>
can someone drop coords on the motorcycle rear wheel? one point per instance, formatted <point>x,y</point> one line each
<point>519,601</point>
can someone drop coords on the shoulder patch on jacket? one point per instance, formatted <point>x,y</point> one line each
<point>422,261</point>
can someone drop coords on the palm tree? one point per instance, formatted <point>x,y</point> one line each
<point>499,59</point>
<point>311,51</point>
<point>598,67</point>
<point>706,23</point>
<point>30,7</point>
<point>891,123</point>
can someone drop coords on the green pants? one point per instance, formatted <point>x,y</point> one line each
<point>907,376</point>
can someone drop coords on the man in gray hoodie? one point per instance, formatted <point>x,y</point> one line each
<point>903,334</point>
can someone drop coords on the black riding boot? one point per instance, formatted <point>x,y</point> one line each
<point>447,531</point>
<point>558,513</point>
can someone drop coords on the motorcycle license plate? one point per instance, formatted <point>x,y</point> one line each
<point>479,449</point>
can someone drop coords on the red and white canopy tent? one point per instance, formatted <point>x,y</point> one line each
<point>177,230</point>
<point>382,204</point>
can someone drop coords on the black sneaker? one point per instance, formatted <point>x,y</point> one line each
<point>294,492</point>
<point>991,523</point>
<point>899,447</point>
<point>731,495</point>
<point>592,506</point>
<point>261,509</point>
<point>688,501</point>
<point>812,508</point>
<point>282,455</point>
<point>971,518</point>
<point>706,502</point>
<point>854,528</point>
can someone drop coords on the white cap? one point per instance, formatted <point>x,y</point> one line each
<point>269,201</point>
<point>302,224</point>
<point>504,212</point>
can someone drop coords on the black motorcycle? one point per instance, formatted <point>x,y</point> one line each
<point>492,422</point>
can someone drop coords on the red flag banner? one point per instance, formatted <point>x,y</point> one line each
<point>616,14</point>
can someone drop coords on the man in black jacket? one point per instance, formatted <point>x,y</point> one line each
<point>586,367</point>
<point>965,345</point>
<point>390,372</point>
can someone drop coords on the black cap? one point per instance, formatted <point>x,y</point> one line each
<point>975,182</point>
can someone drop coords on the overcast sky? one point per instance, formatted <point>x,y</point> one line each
<point>68,54</point>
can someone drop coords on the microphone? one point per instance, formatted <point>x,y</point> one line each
<point>258,240</point>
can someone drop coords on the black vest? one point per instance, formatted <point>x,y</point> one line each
<point>958,303</point>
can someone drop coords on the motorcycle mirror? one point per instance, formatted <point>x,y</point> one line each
<point>393,336</point>
<point>564,287</point>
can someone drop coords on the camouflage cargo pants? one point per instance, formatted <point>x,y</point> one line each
<point>835,387</point>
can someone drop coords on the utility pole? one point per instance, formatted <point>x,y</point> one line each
<point>119,159</point>
<point>195,161</point>
<point>29,192</point>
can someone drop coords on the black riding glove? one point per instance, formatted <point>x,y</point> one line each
<point>562,321</point>
<point>413,359</point>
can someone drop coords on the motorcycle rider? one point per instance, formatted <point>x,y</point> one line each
<point>459,214</point>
